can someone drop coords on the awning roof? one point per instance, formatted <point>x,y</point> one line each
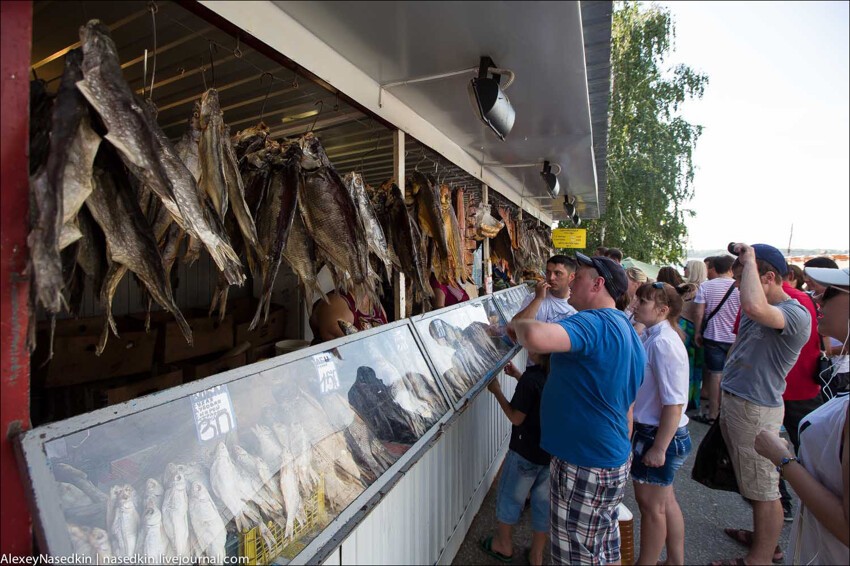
<point>558,111</point>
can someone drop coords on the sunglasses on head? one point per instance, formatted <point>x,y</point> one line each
<point>658,285</point>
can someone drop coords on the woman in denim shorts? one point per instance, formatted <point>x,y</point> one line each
<point>660,442</point>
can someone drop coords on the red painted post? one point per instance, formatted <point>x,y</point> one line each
<point>15,46</point>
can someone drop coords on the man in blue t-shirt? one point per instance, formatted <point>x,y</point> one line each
<point>586,411</point>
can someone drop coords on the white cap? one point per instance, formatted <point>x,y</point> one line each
<point>829,277</point>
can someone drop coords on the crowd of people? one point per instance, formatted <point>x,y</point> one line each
<point>746,342</point>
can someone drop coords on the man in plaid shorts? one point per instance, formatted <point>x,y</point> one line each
<point>586,411</point>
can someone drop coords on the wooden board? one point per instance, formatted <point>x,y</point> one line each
<point>208,334</point>
<point>143,386</point>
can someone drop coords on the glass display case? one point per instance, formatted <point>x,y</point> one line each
<point>467,344</point>
<point>254,462</point>
<point>510,300</point>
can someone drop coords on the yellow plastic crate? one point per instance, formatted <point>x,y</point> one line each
<point>252,546</point>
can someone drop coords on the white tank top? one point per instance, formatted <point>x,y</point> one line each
<point>820,443</point>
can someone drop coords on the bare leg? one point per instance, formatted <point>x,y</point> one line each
<point>652,501</point>
<point>538,543</point>
<point>713,394</point>
<point>767,525</point>
<point>503,539</point>
<point>675,531</point>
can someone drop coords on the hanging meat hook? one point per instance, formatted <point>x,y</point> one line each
<point>268,91</point>
<point>321,105</point>
<point>212,61</point>
<point>370,152</point>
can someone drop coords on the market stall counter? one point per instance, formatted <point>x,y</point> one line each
<point>271,461</point>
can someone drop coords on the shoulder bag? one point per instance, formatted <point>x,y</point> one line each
<point>704,324</point>
<point>713,465</point>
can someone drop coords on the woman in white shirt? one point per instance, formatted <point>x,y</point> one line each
<point>661,441</point>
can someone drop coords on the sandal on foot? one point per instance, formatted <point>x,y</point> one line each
<point>486,545</point>
<point>729,562</point>
<point>745,537</point>
<point>704,420</point>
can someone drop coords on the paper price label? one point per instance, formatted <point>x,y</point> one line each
<point>213,412</point>
<point>326,368</point>
<point>569,238</point>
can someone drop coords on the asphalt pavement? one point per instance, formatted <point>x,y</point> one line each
<point>706,514</point>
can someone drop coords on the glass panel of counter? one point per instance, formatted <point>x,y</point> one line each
<point>255,466</point>
<point>466,343</point>
<point>510,300</point>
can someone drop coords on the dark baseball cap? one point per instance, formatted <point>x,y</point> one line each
<point>771,255</point>
<point>616,281</point>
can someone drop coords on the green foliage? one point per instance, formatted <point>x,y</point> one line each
<point>650,167</point>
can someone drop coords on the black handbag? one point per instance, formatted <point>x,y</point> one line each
<point>713,465</point>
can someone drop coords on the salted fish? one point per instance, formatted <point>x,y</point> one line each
<point>375,236</point>
<point>124,530</point>
<point>175,513</point>
<point>407,244</point>
<point>208,527</point>
<point>130,242</point>
<point>153,542</point>
<point>77,179</point>
<point>229,486</point>
<point>274,220</point>
<point>428,210</point>
<point>330,214</point>
<point>100,545</point>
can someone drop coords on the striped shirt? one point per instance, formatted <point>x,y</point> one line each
<point>710,294</point>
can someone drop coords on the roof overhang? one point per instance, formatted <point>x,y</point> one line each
<point>358,46</point>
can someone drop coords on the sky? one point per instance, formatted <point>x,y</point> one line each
<point>775,148</point>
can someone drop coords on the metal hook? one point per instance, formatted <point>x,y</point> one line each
<point>237,52</point>
<point>321,105</point>
<point>268,91</point>
<point>336,104</point>
<point>363,158</point>
<point>416,167</point>
<point>153,10</point>
<point>212,62</point>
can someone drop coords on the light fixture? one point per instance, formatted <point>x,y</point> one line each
<point>489,99</point>
<point>550,180</point>
<point>486,93</point>
<point>570,205</point>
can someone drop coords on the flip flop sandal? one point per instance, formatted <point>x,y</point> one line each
<point>486,545</point>
<point>745,537</point>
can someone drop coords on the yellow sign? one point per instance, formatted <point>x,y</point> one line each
<point>569,238</point>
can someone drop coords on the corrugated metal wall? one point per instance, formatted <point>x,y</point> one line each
<point>425,517</point>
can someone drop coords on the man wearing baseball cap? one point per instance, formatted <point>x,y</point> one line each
<point>585,412</point>
<point>773,329</point>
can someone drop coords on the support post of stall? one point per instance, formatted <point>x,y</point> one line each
<point>15,49</point>
<point>399,306</point>
<point>486,269</point>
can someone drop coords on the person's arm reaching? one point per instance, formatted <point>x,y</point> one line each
<point>753,300</point>
<point>541,337</point>
<point>531,309</point>
<point>516,417</point>
<point>830,511</point>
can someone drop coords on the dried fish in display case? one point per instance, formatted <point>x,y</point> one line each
<point>510,300</point>
<point>467,343</point>
<point>256,461</point>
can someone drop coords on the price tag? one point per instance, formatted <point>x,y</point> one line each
<point>326,368</point>
<point>569,238</point>
<point>213,412</point>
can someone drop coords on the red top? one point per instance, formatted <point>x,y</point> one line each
<point>799,383</point>
<point>453,294</point>
<point>363,321</point>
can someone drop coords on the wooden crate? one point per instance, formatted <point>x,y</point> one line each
<point>243,311</point>
<point>206,366</point>
<point>74,360</point>
<point>145,385</point>
<point>208,334</point>
<point>261,352</point>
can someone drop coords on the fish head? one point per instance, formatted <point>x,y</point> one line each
<point>97,44</point>
<point>198,491</point>
<point>153,487</point>
<point>313,154</point>
<point>153,516</point>
<point>210,107</point>
<point>221,451</point>
<point>98,537</point>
